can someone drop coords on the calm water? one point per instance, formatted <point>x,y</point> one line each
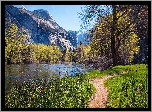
<point>28,72</point>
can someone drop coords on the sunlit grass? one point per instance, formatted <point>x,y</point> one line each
<point>128,90</point>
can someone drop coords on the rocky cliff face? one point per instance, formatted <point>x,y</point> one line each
<point>41,27</point>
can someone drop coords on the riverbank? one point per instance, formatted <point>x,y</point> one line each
<point>127,89</point>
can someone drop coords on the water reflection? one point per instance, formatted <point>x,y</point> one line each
<point>30,72</point>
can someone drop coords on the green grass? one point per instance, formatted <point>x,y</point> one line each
<point>129,68</point>
<point>68,92</point>
<point>129,90</point>
<point>98,73</point>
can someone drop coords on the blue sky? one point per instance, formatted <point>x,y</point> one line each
<point>65,15</point>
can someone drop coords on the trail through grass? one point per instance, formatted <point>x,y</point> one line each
<point>99,99</point>
<point>129,89</point>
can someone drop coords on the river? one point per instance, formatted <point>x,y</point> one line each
<point>29,72</point>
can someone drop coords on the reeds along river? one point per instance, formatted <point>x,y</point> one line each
<point>30,72</point>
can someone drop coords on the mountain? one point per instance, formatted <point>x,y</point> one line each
<point>41,26</point>
<point>84,38</point>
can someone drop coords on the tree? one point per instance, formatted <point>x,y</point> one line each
<point>113,36</point>
<point>125,45</point>
<point>82,53</point>
<point>142,32</point>
<point>15,49</point>
<point>45,53</point>
<point>116,12</point>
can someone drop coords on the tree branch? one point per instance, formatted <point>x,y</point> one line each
<point>120,31</point>
<point>123,14</point>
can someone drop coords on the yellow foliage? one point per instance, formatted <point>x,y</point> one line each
<point>13,29</point>
<point>126,42</point>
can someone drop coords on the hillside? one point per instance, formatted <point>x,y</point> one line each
<point>41,27</point>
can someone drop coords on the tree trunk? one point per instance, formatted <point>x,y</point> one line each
<point>113,42</point>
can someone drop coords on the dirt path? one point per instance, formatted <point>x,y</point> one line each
<point>99,99</point>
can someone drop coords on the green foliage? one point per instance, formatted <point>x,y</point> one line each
<point>18,52</point>
<point>68,56</point>
<point>82,53</point>
<point>130,89</point>
<point>15,50</point>
<point>46,53</point>
<point>68,92</point>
